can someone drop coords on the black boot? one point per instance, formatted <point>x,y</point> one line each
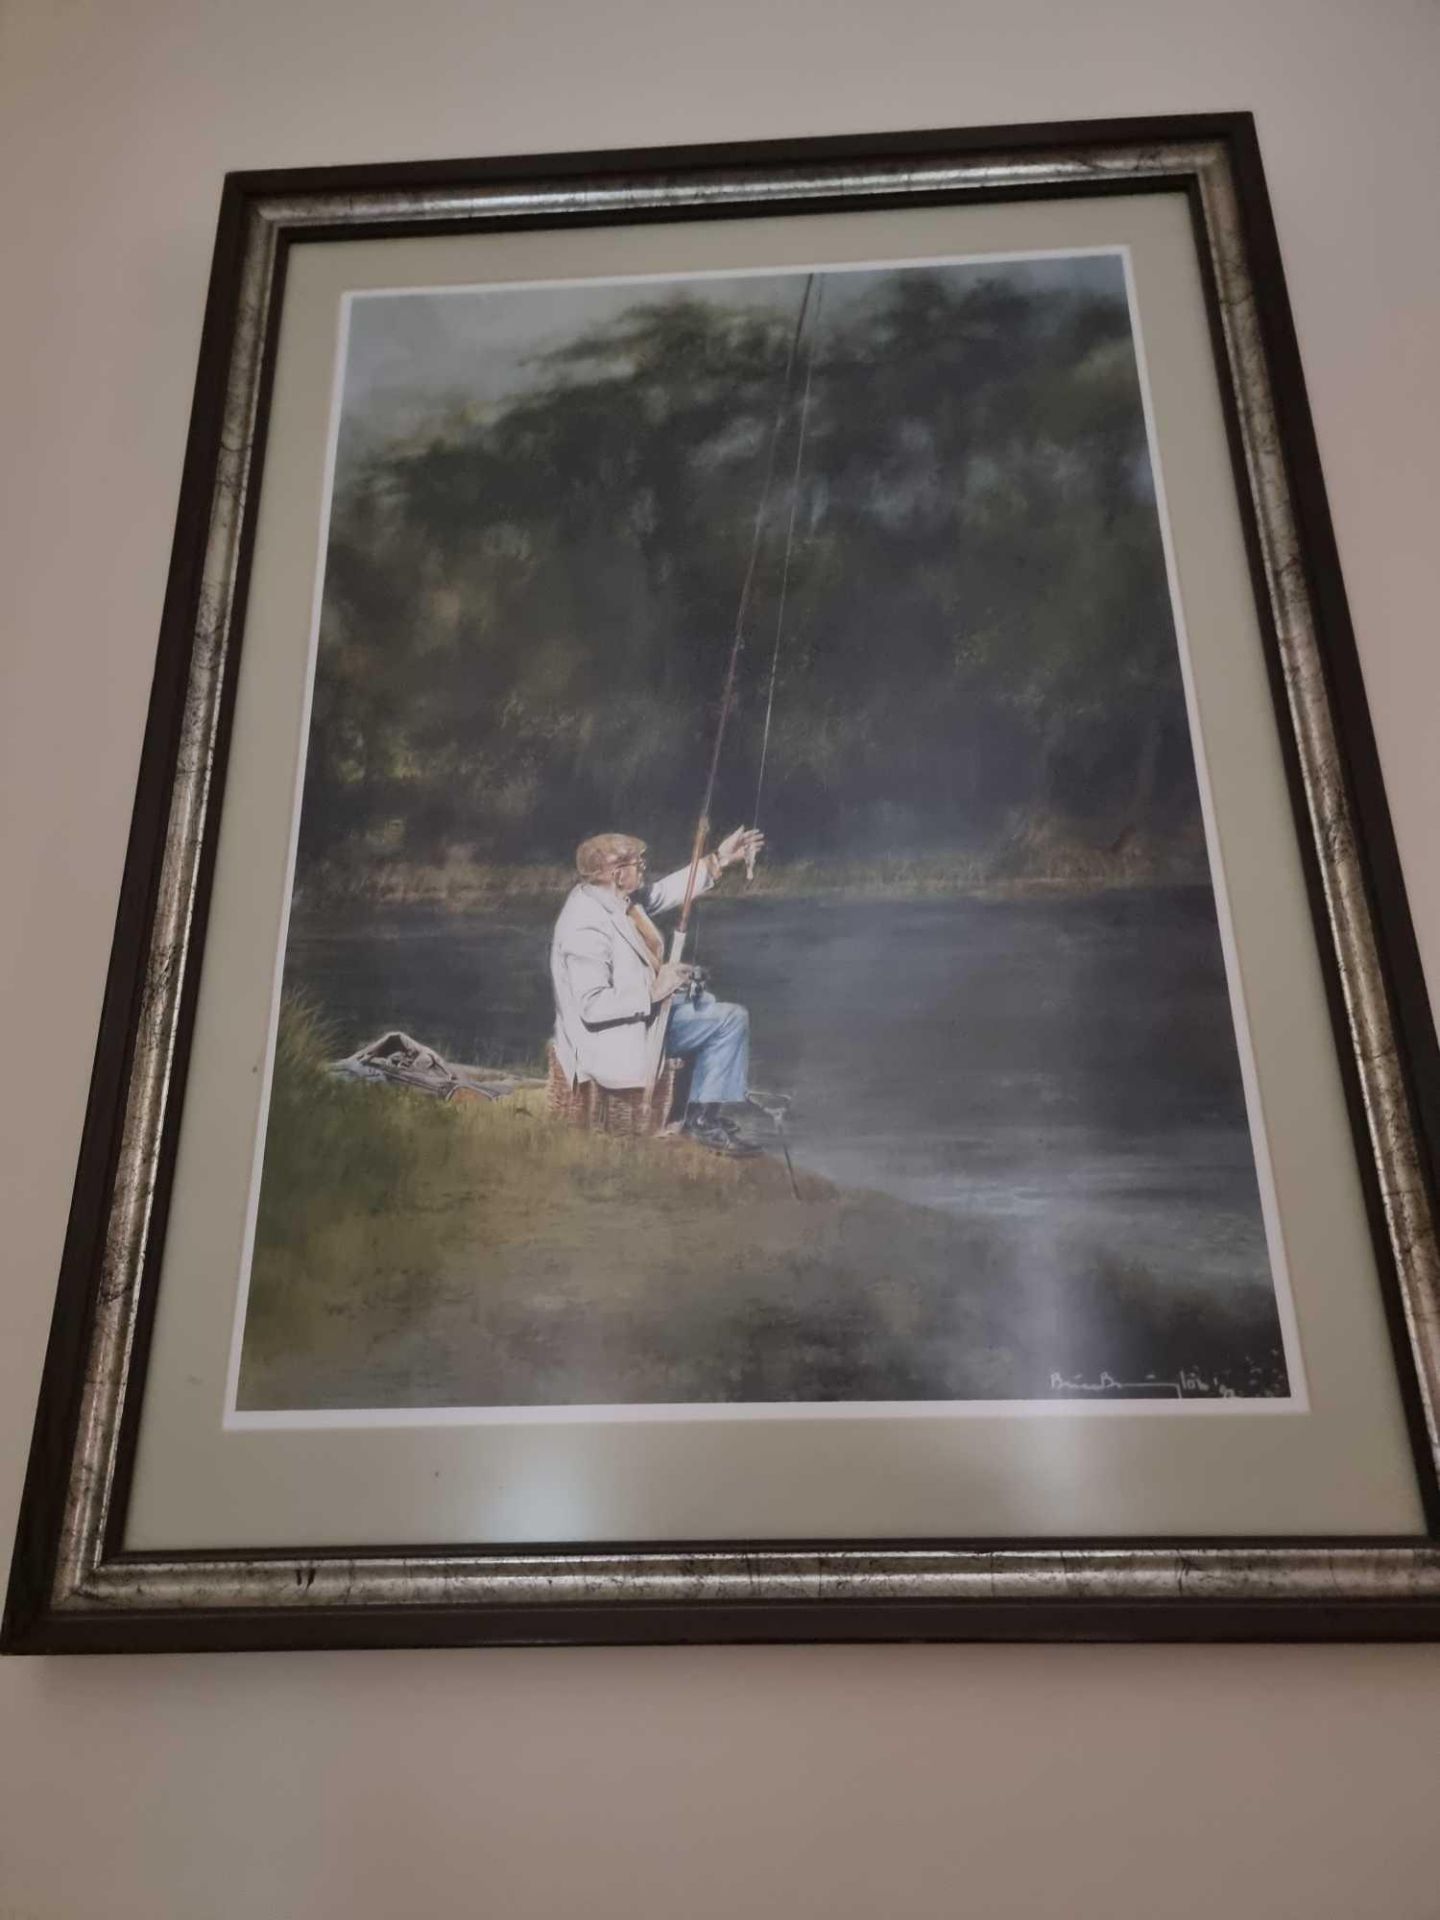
<point>707,1127</point>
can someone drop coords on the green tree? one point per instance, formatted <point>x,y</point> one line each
<point>527,614</point>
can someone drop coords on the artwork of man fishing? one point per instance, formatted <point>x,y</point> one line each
<point>753,935</point>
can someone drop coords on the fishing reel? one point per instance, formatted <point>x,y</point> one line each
<point>698,983</point>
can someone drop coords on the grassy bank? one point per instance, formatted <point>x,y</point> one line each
<point>416,1254</point>
<point>1037,860</point>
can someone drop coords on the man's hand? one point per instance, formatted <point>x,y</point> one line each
<point>743,844</point>
<point>673,977</point>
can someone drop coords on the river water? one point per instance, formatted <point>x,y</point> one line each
<point>1064,1068</point>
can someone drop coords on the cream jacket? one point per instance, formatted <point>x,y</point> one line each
<point>603,972</point>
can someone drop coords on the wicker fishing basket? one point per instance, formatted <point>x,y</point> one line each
<point>627,1111</point>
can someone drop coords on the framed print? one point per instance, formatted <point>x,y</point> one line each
<point>762,990</point>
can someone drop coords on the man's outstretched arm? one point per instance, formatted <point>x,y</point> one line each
<point>663,895</point>
<point>667,893</point>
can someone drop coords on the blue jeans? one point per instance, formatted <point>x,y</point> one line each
<point>716,1038</point>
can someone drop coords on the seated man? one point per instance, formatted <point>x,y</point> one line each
<point>613,982</point>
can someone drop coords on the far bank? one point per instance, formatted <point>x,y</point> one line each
<point>1034,862</point>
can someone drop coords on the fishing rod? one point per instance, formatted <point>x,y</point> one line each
<point>737,646</point>
<point>727,696</point>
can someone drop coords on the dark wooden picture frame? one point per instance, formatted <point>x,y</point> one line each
<point>77,1587</point>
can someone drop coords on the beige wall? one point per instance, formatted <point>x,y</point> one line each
<point>891,1781</point>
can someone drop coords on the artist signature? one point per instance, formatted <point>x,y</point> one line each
<point>1188,1384</point>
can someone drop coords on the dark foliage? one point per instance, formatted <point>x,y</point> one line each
<point>527,614</point>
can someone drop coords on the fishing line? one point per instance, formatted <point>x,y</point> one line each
<point>727,696</point>
<point>785,568</point>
